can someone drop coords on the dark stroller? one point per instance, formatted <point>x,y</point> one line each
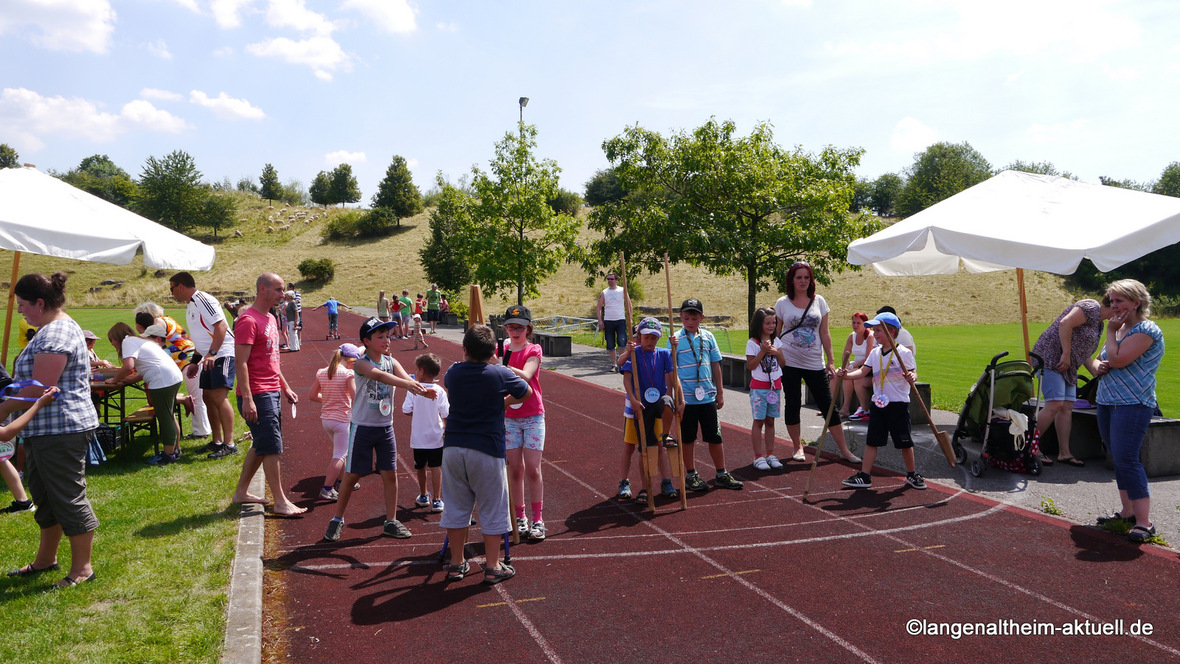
<point>1003,385</point>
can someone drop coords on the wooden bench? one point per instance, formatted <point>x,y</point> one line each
<point>734,372</point>
<point>553,344</point>
<point>1160,453</point>
<point>143,419</point>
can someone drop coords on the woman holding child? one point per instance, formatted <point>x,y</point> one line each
<point>803,329</point>
<point>1126,398</point>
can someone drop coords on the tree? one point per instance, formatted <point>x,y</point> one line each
<point>170,191</point>
<point>1169,182</point>
<point>1123,184</point>
<point>269,187</point>
<point>603,187</point>
<point>886,189</point>
<point>343,188</point>
<point>218,211</point>
<point>734,205</point>
<point>939,172</point>
<point>246,186</point>
<point>321,189</point>
<point>1038,167</point>
<point>98,175</point>
<point>8,156</point>
<point>862,194</point>
<point>565,202</point>
<point>441,257</point>
<point>397,193</point>
<point>512,237</point>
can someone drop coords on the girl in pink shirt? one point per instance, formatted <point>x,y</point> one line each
<point>525,423</point>
<point>334,387</point>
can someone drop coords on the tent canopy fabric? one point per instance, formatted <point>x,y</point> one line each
<point>40,214</point>
<point>1023,220</point>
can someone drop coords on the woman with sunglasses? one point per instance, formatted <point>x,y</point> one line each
<point>803,329</point>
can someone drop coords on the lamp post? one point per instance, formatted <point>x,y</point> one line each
<point>524,101</point>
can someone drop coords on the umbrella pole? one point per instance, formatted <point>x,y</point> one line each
<point>11,302</point>
<point>1023,308</point>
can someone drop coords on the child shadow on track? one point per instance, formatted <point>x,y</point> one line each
<point>1098,546</point>
<point>611,514</point>
<point>319,552</point>
<point>862,500</point>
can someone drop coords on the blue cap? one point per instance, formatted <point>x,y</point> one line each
<point>650,326</point>
<point>884,317</point>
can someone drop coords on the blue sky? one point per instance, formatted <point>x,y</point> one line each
<point>1092,86</point>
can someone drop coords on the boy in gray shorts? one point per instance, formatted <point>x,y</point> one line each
<point>473,467</point>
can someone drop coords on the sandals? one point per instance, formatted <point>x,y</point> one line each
<point>1140,534</point>
<point>70,582</point>
<point>641,497</point>
<point>1046,461</point>
<point>1071,461</point>
<point>497,574</point>
<point>457,572</point>
<point>1116,518</point>
<point>29,570</point>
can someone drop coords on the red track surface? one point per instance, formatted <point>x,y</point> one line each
<point>755,575</point>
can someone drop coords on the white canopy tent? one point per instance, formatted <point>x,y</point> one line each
<point>1024,221</point>
<point>41,214</point>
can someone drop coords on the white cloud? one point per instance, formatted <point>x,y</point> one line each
<point>31,116</point>
<point>910,135</point>
<point>166,95</point>
<point>224,52</point>
<point>412,163</point>
<point>227,107</point>
<point>1121,73</point>
<point>344,157</point>
<point>159,49</point>
<point>322,54</point>
<point>228,13</point>
<point>393,16</point>
<point>61,25</point>
<point>1062,132</point>
<point>190,5</point>
<point>447,27</point>
<point>294,14</point>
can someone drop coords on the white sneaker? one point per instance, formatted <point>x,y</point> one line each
<point>522,526</point>
<point>328,494</point>
<point>773,462</point>
<point>437,506</point>
<point>423,500</point>
<point>537,532</point>
<point>761,463</point>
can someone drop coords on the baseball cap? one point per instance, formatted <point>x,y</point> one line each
<point>89,335</point>
<point>650,326</point>
<point>350,350</point>
<point>372,325</point>
<point>518,315</point>
<point>692,304</point>
<point>154,330</point>
<point>884,317</point>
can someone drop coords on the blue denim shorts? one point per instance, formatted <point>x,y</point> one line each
<point>1054,387</point>
<point>761,406</point>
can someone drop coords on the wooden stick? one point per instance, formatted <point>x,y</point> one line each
<point>944,441</point>
<point>640,431</point>
<point>676,385</point>
<point>11,308</point>
<point>819,443</point>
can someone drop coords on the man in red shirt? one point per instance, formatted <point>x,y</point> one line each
<point>260,389</point>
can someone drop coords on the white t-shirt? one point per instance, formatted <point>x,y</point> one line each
<point>904,338</point>
<point>888,378</point>
<point>202,314</point>
<point>613,307</point>
<point>156,366</point>
<point>768,369</point>
<point>802,348</point>
<point>426,426</point>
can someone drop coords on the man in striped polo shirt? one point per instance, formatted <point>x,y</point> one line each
<point>215,347</point>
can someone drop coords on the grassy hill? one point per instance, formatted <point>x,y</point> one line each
<point>391,263</point>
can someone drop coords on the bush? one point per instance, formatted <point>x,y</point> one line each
<point>319,270</point>
<point>377,222</point>
<point>458,308</point>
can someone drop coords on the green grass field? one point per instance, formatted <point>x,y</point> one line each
<point>162,555</point>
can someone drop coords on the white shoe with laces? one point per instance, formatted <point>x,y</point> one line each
<point>773,462</point>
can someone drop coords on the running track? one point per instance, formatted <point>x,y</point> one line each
<point>759,575</point>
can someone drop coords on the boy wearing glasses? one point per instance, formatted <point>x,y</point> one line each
<point>613,309</point>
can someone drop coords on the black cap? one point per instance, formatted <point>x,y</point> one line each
<point>372,325</point>
<point>518,315</point>
<point>692,304</point>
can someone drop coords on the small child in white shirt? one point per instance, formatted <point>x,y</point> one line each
<point>426,430</point>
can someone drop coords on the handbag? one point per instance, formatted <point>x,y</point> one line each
<point>1088,391</point>
<point>802,319</point>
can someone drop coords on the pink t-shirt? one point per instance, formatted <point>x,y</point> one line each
<point>337,397</point>
<point>259,331</point>
<point>534,405</point>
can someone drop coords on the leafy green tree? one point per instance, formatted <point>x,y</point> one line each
<point>603,187</point>
<point>170,191</point>
<point>1169,182</point>
<point>734,205</point>
<point>1038,167</point>
<point>343,188</point>
<point>8,156</point>
<point>886,189</point>
<point>218,211</point>
<point>294,193</point>
<point>321,189</point>
<point>513,238</point>
<point>397,193</point>
<point>98,175</point>
<point>565,202</point>
<point>269,186</point>
<point>1124,184</point>
<point>939,172</point>
<point>862,194</point>
<point>246,186</point>
<point>442,257</point>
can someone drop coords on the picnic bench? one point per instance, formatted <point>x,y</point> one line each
<point>1160,453</point>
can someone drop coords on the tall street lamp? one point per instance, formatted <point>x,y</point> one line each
<point>524,101</point>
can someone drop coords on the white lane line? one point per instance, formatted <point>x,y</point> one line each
<point>542,642</point>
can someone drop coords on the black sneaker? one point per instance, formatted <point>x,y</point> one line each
<point>694,482</point>
<point>860,480</point>
<point>160,460</point>
<point>211,446</point>
<point>19,506</point>
<point>396,529</point>
<point>226,450</point>
<point>624,490</point>
<point>727,481</point>
<point>335,527</point>
<point>915,480</point>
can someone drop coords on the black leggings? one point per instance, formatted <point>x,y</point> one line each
<point>817,385</point>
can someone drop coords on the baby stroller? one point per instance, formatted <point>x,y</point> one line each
<point>1003,386</point>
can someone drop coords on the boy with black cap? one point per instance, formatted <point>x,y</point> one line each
<point>892,368</point>
<point>698,362</point>
<point>377,374</point>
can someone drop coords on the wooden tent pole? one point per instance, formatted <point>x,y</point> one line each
<point>11,303</point>
<point>1023,309</point>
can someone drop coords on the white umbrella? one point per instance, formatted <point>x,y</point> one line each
<point>41,214</point>
<point>1024,221</point>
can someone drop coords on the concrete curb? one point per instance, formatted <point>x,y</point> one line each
<point>243,620</point>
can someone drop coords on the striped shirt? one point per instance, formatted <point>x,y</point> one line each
<point>337,397</point>
<point>71,411</point>
<point>1134,384</point>
<point>202,315</point>
<point>695,355</point>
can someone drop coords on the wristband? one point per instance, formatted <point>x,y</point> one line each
<point>10,390</point>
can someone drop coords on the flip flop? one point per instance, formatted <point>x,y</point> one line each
<point>1071,461</point>
<point>1045,461</point>
<point>70,582</point>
